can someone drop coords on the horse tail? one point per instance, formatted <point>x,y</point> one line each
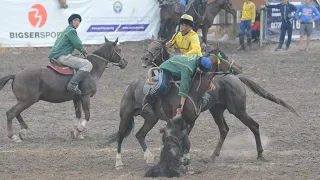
<point>4,80</point>
<point>126,114</point>
<point>265,94</point>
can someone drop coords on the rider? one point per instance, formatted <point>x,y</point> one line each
<point>65,44</point>
<point>180,67</point>
<point>183,4</point>
<point>186,40</point>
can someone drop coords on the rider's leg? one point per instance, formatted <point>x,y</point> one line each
<point>84,67</point>
<point>159,89</point>
<point>183,5</point>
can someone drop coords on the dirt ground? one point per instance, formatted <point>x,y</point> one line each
<point>291,144</point>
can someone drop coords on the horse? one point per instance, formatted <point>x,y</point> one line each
<point>165,108</point>
<point>211,12</point>
<point>169,17</point>
<point>229,94</point>
<point>49,84</point>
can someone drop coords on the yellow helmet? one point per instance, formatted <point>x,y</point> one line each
<point>186,19</point>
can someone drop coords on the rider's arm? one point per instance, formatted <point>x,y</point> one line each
<point>195,45</point>
<point>253,12</point>
<point>173,41</point>
<point>74,39</point>
<point>185,83</point>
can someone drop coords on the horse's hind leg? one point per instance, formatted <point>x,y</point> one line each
<point>254,127</point>
<point>217,113</point>
<point>15,111</point>
<point>24,127</point>
<point>148,124</point>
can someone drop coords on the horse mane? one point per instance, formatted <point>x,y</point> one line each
<point>215,52</point>
<point>104,50</point>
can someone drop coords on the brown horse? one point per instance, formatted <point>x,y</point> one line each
<point>212,10</point>
<point>169,17</point>
<point>229,94</point>
<point>39,83</point>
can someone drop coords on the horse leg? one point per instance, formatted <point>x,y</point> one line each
<point>15,111</point>
<point>204,37</point>
<point>85,101</point>
<point>125,127</point>
<point>148,124</point>
<point>217,114</point>
<point>77,107</point>
<point>254,127</point>
<point>24,127</point>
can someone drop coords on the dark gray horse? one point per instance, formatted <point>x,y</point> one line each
<point>229,94</point>
<point>212,10</point>
<point>169,18</point>
<point>165,109</point>
<point>35,83</point>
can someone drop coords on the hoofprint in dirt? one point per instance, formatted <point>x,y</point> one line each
<point>291,144</point>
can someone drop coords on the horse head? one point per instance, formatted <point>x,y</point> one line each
<point>110,52</point>
<point>221,63</point>
<point>155,54</point>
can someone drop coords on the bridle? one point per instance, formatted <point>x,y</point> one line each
<point>108,61</point>
<point>155,56</point>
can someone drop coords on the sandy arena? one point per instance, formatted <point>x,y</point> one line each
<point>291,144</point>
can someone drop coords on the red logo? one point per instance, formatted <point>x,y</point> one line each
<point>37,15</point>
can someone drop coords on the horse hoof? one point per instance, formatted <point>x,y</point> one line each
<point>262,159</point>
<point>22,134</point>
<point>206,160</point>
<point>119,167</point>
<point>16,139</point>
<point>81,137</point>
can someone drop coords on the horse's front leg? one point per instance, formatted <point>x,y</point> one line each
<point>77,107</point>
<point>85,101</point>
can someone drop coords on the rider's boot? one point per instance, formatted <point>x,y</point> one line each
<point>249,43</point>
<point>73,85</point>
<point>147,104</point>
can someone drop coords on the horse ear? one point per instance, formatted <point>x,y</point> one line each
<point>218,50</point>
<point>162,130</point>
<point>211,47</point>
<point>115,42</point>
<point>106,40</point>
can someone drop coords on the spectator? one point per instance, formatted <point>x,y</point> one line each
<point>247,20</point>
<point>286,9</point>
<point>256,30</point>
<point>306,21</point>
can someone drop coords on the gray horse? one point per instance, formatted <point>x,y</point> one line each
<point>229,94</point>
<point>35,83</point>
<point>165,109</point>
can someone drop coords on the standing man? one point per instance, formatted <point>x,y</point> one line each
<point>306,21</point>
<point>247,20</point>
<point>286,9</point>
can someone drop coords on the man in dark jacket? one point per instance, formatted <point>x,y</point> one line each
<point>286,10</point>
<point>65,44</point>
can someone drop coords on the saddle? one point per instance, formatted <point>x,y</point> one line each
<point>152,80</point>
<point>59,68</point>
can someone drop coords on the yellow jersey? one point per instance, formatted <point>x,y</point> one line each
<point>249,12</point>
<point>188,44</point>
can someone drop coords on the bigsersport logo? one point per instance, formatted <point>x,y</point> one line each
<point>117,7</point>
<point>37,16</point>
